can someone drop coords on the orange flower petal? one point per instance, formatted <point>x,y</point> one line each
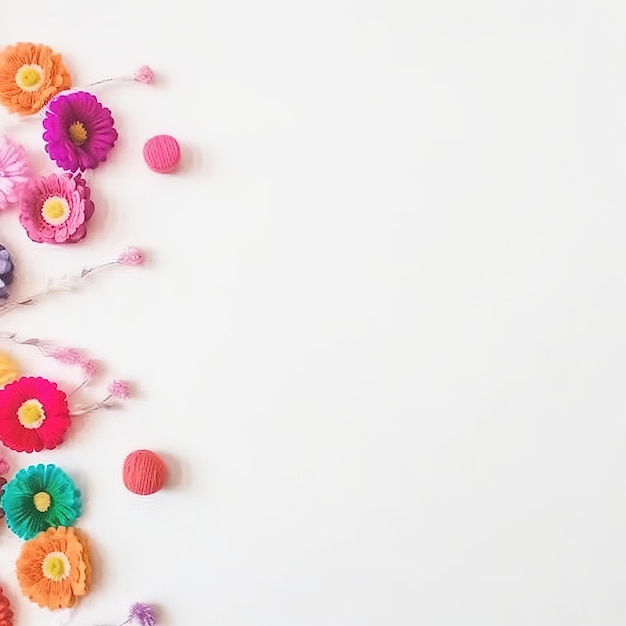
<point>55,77</point>
<point>55,594</point>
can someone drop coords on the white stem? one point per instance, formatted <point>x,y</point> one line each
<point>78,411</point>
<point>81,386</point>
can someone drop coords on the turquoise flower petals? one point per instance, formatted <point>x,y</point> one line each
<point>40,497</point>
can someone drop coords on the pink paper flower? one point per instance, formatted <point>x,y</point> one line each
<point>119,389</point>
<point>144,75</point>
<point>4,466</point>
<point>14,171</point>
<point>56,209</point>
<point>131,256</point>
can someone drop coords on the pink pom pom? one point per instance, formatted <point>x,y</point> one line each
<point>144,75</point>
<point>4,466</point>
<point>131,256</point>
<point>119,389</point>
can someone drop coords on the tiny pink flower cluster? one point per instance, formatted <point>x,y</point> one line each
<point>69,356</point>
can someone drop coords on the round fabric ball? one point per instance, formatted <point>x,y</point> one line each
<point>162,154</point>
<point>144,472</point>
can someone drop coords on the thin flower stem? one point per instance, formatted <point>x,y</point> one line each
<point>25,342</point>
<point>11,304</point>
<point>79,411</point>
<point>106,80</point>
<point>92,270</point>
<point>81,386</point>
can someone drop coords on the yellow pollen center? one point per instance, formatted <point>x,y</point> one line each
<point>42,501</point>
<point>31,414</point>
<point>78,133</point>
<point>56,566</point>
<point>55,210</point>
<point>29,77</point>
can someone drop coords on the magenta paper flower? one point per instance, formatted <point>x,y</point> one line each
<point>79,131</point>
<point>14,171</point>
<point>56,209</point>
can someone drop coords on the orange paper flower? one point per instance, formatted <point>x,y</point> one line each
<point>6,614</point>
<point>53,569</point>
<point>9,371</point>
<point>30,76</point>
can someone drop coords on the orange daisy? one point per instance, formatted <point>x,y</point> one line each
<point>30,76</point>
<point>53,569</point>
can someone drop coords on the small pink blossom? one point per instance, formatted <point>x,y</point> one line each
<point>119,389</point>
<point>131,256</point>
<point>4,466</point>
<point>89,368</point>
<point>144,75</point>
<point>67,356</point>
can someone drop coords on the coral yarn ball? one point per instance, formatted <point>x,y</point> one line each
<point>144,472</point>
<point>162,154</point>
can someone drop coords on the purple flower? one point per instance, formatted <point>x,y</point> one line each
<point>142,613</point>
<point>79,131</point>
<point>6,272</point>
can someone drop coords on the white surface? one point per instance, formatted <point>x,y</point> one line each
<point>382,337</point>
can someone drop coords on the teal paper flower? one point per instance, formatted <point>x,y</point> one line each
<point>40,497</point>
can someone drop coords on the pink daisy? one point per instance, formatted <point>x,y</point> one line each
<point>33,415</point>
<point>14,171</point>
<point>56,209</point>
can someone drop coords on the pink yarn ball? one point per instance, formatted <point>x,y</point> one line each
<point>162,154</point>
<point>144,472</point>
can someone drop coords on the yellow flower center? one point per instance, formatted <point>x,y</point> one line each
<point>78,133</point>
<point>31,414</point>
<point>29,77</point>
<point>56,566</point>
<point>55,210</point>
<point>42,501</point>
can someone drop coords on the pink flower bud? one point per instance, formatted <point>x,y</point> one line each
<point>68,356</point>
<point>144,75</point>
<point>89,368</point>
<point>131,256</point>
<point>119,389</point>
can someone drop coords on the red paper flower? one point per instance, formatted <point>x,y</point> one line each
<point>6,614</point>
<point>33,415</point>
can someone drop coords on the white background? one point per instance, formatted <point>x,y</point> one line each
<point>381,339</point>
